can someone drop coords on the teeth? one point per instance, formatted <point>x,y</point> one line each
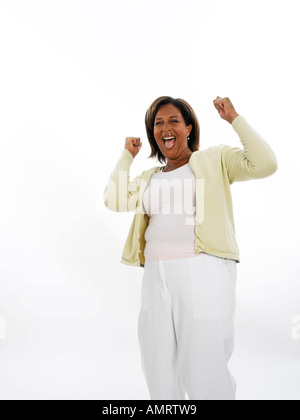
<point>169,144</point>
<point>168,138</point>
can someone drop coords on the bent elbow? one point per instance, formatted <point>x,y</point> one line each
<point>268,169</point>
<point>110,201</point>
<point>115,205</point>
<point>273,166</point>
<point>108,205</point>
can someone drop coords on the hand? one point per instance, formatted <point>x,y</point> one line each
<point>133,145</point>
<point>226,109</point>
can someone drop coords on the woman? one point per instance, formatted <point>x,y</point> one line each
<point>186,319</point>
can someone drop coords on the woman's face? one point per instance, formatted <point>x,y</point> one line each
<point>170,123</point>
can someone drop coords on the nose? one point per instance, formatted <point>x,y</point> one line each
<point>166,130</point>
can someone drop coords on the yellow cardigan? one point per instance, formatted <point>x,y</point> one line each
<point>215,169</point>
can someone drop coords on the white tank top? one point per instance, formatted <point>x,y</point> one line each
<point>170,202</point>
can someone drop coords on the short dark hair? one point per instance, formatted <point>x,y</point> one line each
<point>188,115</point>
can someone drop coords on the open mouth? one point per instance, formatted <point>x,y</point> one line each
<point>169,142</point>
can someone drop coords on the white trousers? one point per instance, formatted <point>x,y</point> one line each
<point>186,327</point>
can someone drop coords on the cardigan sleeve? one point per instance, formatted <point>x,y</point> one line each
<point>256,159</point>
<point>120,193</point>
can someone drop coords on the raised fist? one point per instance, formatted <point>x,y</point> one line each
<point>225,109</point>
<point>133,145</point>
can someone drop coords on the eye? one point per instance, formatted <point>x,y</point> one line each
<point>173,121</point>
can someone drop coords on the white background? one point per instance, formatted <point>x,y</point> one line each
<point>76,78</point>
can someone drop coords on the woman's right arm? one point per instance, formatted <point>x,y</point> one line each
<point>120,193</point>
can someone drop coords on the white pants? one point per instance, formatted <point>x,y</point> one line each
<point>186,327</point>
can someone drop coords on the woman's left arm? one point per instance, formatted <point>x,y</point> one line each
<point>256,159</point>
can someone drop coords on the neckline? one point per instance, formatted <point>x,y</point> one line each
<point>174,169</point>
